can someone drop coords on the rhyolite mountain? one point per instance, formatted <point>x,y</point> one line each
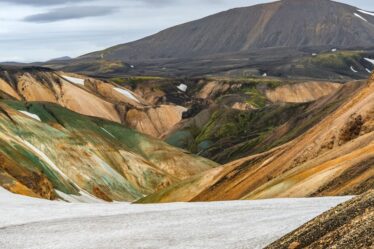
<point>289,38</point>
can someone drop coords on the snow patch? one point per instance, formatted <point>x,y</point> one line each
<point>74,80</point>
<point>45,158</point>
<point>357,15</point>
<point>265,75</point>
<point>314,54</point>
<point>366,12</point>
<point>369,60</point>
<point>334,50</point>
<point>353,69</point>
<point>110,134</point>
<point>31,115</point>
<point>126,93</point>
<point>368,70</point>
<point>182,87</point>
<point>84,197</point>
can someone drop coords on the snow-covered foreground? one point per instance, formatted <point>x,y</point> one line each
<point>31,223</point>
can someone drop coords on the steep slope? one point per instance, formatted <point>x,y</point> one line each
<point>89,96</point>
<point>350,225</point>
<point>50,152</point>
<point>335,157</point>
<point>281,24</point>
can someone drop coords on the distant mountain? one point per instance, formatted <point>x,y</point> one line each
<point>319,24</point>
<point>63,58</point>
<point>288,38</point>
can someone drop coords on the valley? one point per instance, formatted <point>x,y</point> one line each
<point>249,128</point>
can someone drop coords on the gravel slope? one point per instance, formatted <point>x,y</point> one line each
<point>349,225</point>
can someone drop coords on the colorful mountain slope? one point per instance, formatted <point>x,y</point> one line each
<point>335,157</point>
<point>48,151</point>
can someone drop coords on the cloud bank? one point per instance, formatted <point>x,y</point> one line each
<point>67,13</point>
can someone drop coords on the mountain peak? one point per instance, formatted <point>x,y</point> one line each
<point>295,24</point>
<point>305,1</point>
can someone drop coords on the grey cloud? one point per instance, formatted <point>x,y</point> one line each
<point>159,3</point>
<point>61,2</point>
<point>162,3</point>
<point>67,13</point>
<point>42,2</point>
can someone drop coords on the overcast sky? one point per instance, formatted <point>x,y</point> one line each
<point>36,30</point>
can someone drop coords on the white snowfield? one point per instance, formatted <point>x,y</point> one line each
<point>366,12</point>
<point>357,15</point>
<point>107,132</point>
<point>35,224</point>
<point>182,87</point>
<point>31,115</point>
<point>369,60</point>
<point>126,93</point>
<point>353,69</point>
<point>74,80</point>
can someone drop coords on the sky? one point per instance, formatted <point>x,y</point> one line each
<point>39,30</point>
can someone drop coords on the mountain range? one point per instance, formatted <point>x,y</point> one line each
<point>268,132</point>
<point>275,139</point>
